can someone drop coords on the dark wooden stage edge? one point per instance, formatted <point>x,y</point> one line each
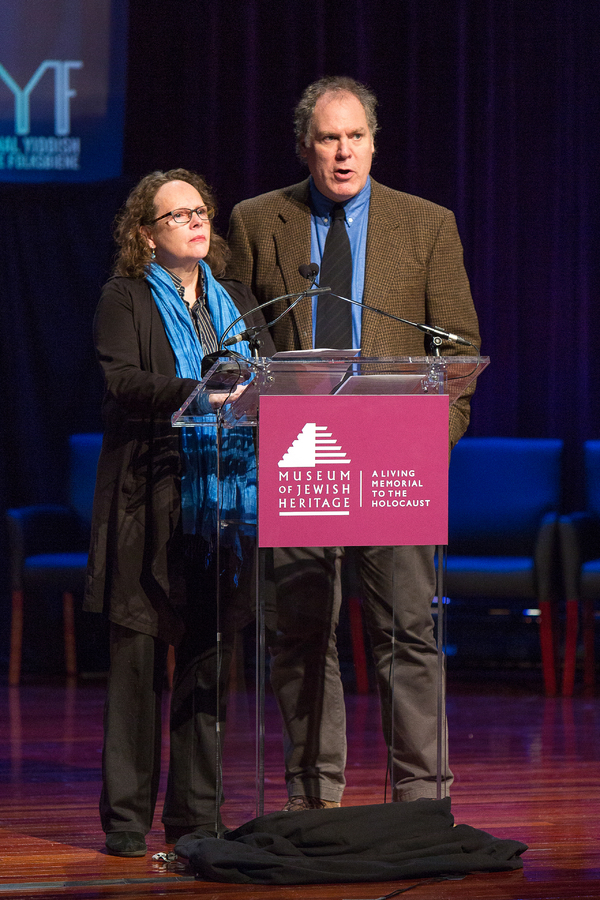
<point>526,768</point>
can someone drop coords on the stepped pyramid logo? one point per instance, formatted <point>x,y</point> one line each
<point>314,446</point>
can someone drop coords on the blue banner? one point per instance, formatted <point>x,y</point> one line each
<point>62,89</point>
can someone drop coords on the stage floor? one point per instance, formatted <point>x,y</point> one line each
<point>526,767</point>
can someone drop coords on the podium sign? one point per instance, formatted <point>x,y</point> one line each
<point>353,470</point>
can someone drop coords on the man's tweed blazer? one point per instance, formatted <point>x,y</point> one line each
<point>414,269</point>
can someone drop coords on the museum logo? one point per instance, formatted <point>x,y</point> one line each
<point>315,445</point>
<point>324,492</point>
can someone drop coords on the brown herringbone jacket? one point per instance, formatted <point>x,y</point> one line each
<point>414,269</point>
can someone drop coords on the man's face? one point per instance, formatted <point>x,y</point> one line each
<point>341,149</point>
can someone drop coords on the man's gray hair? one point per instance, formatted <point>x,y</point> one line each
<point>338,84</point>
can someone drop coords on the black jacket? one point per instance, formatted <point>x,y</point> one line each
<point>137,497</point>
<point>384,842</point>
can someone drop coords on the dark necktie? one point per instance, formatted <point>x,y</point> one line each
<point>334,316</point>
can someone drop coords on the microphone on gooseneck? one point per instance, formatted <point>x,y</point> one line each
<point>311,270</point>
<point>432,330</point>
<point>308,271</point>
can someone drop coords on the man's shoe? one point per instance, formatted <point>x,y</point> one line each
<point>298,802</point>
<point>125,843</point>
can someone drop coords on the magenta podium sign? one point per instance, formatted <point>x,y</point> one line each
<point>353,471</point>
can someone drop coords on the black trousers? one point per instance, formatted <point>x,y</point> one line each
<point>131,756</point>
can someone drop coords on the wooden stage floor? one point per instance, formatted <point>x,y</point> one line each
<point>526,768</point>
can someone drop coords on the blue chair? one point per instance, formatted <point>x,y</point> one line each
<point>504,497</point>
<point>48,547</point>
<point>580,550</point>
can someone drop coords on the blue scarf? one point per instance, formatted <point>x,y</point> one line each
<point>201,494</point>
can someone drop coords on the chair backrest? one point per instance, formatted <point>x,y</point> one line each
<point>84,450</point>
<point>591,455</point>
<point>499,491</point>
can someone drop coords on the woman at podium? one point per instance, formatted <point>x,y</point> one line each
<point>152,561</point>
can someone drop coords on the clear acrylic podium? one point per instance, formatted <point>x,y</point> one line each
<point>230,397</point>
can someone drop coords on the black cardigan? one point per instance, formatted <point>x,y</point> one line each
<point>137,498</point>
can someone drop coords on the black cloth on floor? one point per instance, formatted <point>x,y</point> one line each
<point>386,842</point>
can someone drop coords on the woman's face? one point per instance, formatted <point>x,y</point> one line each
<point>178,246</point>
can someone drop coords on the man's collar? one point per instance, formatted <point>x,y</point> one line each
<point>321,206</point>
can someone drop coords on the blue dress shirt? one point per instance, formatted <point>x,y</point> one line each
<point>357,220</point>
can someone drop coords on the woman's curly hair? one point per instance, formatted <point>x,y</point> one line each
<point>134,253</point>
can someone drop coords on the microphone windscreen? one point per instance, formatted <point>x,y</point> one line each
<point>308,270</point>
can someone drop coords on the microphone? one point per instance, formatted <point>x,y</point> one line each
<point>434,331</point>
<point>312,270</point>
<point>245,335</point>
<point>249,333</point>
<point>308,271</point>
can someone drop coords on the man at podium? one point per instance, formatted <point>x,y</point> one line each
<point>403,255</point>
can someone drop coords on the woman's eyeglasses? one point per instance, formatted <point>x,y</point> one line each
<point>183,216</point>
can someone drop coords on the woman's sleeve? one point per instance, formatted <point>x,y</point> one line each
<point>139,375</point>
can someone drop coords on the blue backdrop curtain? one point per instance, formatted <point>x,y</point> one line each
<point>488,108</point>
